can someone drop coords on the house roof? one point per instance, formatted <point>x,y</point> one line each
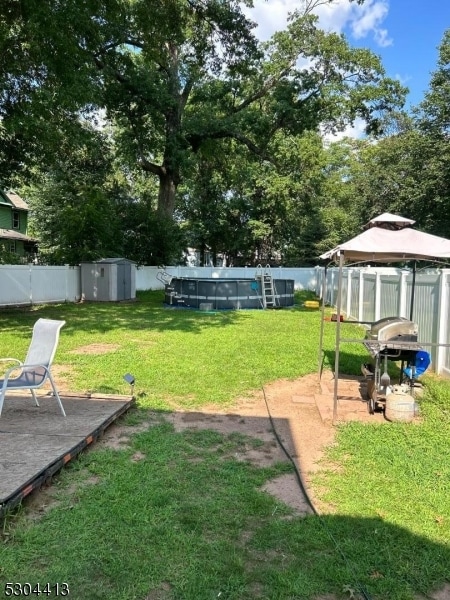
<point>16,200</point>
<point>110,261</point>
<point>389,221</point>
<point>10,234</point>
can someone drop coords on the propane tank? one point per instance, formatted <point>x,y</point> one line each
<point>400,406</point>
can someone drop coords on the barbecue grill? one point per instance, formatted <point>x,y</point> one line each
<point>391,338</point>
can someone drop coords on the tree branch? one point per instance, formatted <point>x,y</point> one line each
<point>271,83</point>
<point>150,167</point>
<point>196,139</point>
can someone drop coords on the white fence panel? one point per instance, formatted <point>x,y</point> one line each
<point>146,277</point>
<point>353,299</point>
<point>426,306</point>
<point>444,354</point>
<point>30,284</point>
<point>369,297</point>
<point>73,283</point>
<point>51,284</point>
<point>15,285</point>
<point>36,284</point>
<point>385,292</point>
<point>390,295</point>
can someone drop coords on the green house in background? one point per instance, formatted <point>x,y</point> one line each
<point>13,227</point>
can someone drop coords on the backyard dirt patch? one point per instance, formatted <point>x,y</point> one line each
<point>285,409</point>
<point>96,349</point>
<point>284,416</point>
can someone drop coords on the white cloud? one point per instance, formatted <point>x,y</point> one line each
<point>382,39</point>
<point>360,20</point>
<point>335,16</point>
<point>269,16</point>
<point>367,19</point>
<point>357,130</point>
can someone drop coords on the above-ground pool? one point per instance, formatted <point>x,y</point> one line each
<point>216,294</point>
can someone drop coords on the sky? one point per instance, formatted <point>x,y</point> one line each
<point>404,33</point>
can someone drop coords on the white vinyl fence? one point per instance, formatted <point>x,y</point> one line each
<point>146,277</point>
<point>370,294</point>
<point>35,284</point>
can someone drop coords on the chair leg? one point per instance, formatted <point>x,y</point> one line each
<point>33,393</point>
<point>2,399</point>
<point>55,393</point>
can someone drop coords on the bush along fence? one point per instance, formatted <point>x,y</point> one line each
<point>370,294</point>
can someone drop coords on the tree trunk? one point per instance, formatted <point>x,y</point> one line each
<point>166,195</point>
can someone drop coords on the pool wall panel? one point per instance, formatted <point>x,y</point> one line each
<point>225,293</point>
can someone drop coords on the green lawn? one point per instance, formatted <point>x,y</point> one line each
<point>188,521</point>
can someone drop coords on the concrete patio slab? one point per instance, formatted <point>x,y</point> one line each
<point>36,442</point>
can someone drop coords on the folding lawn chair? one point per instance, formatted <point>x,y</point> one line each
<point>35,370</point>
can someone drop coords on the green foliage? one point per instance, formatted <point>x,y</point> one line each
<point>254,211</point>
<point>434,111</point>
<point>406,171</point>
<point>169,90</point>
<point>405,174</point>
<point>72,211</point>
<point>9,258</point>
<point>150,238</point>
<point>226,144</point>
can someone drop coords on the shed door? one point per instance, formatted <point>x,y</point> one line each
<point>123,282</point>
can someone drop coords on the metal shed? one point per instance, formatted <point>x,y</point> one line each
<point>108,280</point>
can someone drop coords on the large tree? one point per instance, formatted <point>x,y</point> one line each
<point>408,170</point>
<point>180,74</point>
<point>434,111</point>
<point>75,202</point>
<point>44,85</point>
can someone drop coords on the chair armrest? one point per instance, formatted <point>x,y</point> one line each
<point>12,360</point>
<point>21,367</point>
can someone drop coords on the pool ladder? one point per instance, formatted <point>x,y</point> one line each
<point>268,293</point>
<point>166,278</point>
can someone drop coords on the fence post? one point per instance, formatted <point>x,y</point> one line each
<point>66,282</point>
<point>349,293</point>
<point>402,291</point>
<point>442,324</point>
<point>377,296</point>
<point>361,295</point>
<point>332,287</point>
<point>31,282</point>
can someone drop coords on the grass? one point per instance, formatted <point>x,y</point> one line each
<point>188,520</point>
<point>395,478</point>
<point>185,356</point>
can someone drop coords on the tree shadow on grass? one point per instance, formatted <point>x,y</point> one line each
<point>367,555</point>
<point>149,312</point>
<point>184,513</point>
